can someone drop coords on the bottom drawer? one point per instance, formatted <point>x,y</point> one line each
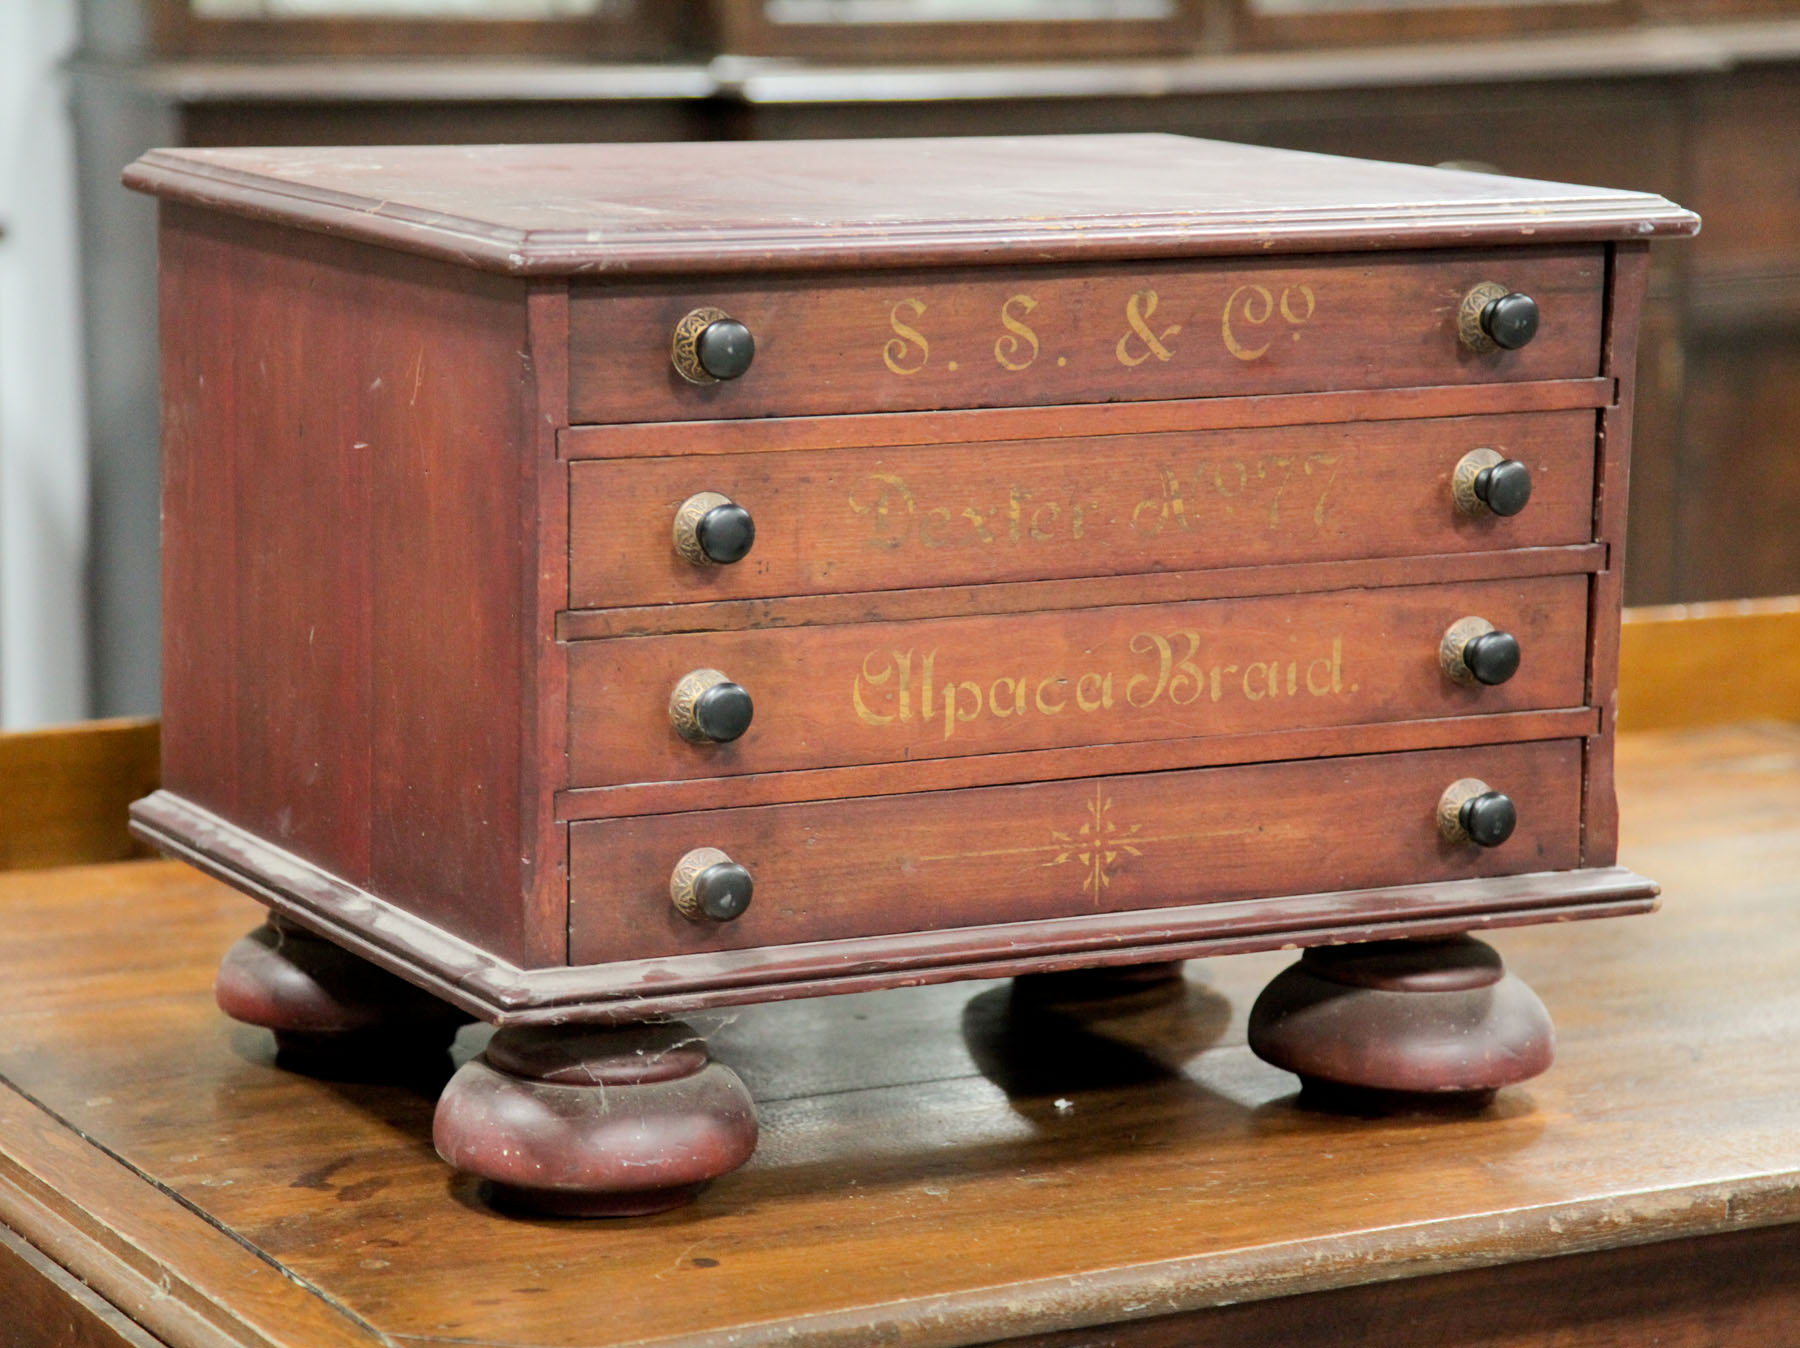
<point>828,870</point>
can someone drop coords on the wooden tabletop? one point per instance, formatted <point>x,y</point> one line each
<point>934,1168</point>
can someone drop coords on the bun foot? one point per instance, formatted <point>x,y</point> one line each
<point>586,1122</point>
<point>1082,986</point>
<point>326,1006</point>
<point>1392,1026</point>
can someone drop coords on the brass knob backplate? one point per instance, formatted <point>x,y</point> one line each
<point>1462,481</point>
<point>713,530</point>
<point>1449,810</point>
<point>708,886</point>
<point>687,525</point>
<point>708,708</point>
<point>1469,328</point>
<point>1450,650</point>
<point>709,345</point>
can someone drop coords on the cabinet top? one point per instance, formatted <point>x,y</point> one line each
<point>590,210</point>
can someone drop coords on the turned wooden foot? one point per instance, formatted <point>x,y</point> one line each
<point>590,1122</point>
<point>1077,986</point>
<point>1402,1024</point>
<point>326,1006</point>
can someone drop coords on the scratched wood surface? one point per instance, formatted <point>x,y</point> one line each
<point>957,514</point>
<point>348,668</point>
<point>1024,335</point>
<point>685,209</point>
<point>911,693</point>
<point>939,1169</point>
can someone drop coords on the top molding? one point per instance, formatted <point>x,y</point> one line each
<point>603,210</point>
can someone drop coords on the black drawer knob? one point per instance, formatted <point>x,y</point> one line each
<point>710,345</point>
<point>1491,316</point>
<point>1486,482</point>
<point>1489,819</point>
<point>708,886</point>
<point>1474,651</point>
<point>713,530</point>
<point>1471,811</point>
<point>708,708</point>
<point>1511,320</point>
<point>1492,657</point>
<point>1505,488</point>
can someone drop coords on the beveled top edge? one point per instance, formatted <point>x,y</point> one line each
<point>492,207</point>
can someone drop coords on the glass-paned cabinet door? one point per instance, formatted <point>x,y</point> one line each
<point>1319,23</point>
<point>588,30</point>
<point>947,31</point>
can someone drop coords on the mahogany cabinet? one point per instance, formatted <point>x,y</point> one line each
<point>604,582</point>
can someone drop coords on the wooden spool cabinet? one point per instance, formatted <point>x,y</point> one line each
<point>608,582</point>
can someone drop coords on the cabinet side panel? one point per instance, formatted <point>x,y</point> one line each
<point>1627,282</point>
<point>267,522</point>
<point>347,590</point>
<point>204,429</point>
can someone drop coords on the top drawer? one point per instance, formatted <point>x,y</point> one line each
<point>909,341</point>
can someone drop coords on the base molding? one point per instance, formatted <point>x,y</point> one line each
<point>494,990</point>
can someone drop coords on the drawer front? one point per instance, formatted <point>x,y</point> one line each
<point>938,860</point>
<point>1025,336</point>
<point>912,691</point>
<point>844,520</point>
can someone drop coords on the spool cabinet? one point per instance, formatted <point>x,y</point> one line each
<point>606,582</point>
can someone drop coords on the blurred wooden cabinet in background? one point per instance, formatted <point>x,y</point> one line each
<point>1698,100</point>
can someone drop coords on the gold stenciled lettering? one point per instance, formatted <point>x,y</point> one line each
<point>1101,698</point>
<point>884,692</point>
<point>903,662</point>
<point>893,502</point>
<point>953,712</point>
<point>1142,644</point>
<point>1008,348</point>
<point>1332,674</point>
<point>1219,674</point>
<point>898,353</point>
<point>1138,310</point>
<point>934,528</point>
<point>1185,668</point>
<point>1015,696</point>
<point>863,676</point>
<point>1259,306</point>
<point>980,521</point>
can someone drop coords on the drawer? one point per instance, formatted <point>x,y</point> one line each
<point>937,860</point>
<point>846,520</point>
<point>1053,335</point>
<point>913,691</point>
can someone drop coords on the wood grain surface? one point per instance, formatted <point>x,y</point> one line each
<point>952,859</point>
<point>1022,335</point>
<point>938,1168</point>
<point>657,439</point>
<point>1223,582</point>
<point>847,520</point>
<point>348,658</point>
<point>1709,664</point>
<point>64,791</point>
<point>689,208</point>
<point>910,693</point>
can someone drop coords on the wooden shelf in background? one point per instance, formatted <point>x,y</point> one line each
<point>1710,664</point>
<point>63,791</point>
